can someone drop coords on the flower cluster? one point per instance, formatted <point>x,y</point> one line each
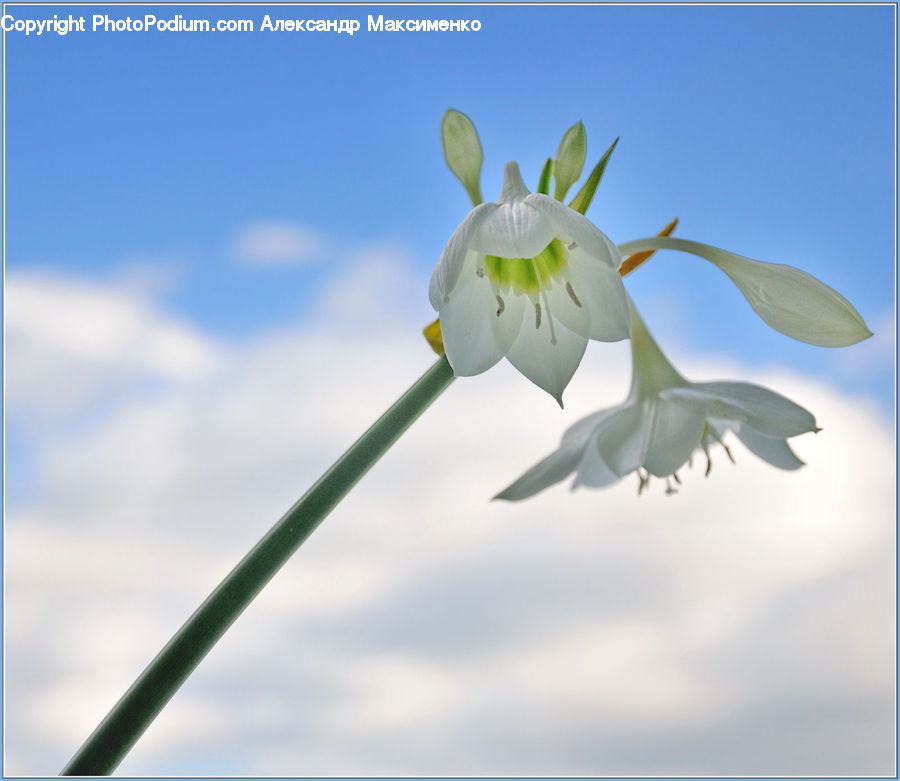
<point>531,279</point>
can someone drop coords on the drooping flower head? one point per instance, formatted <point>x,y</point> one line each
<point>664,420</point>
<point>530,279</point>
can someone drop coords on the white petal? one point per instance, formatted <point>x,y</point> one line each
<point>772,449</point>
<point>768,412</point>
<point>621,442</point>
<point>598,288</point>
<point>672,432</point>
<point>789,300</point>
<point>555,467</point>
<point>443,280</point>
<point>473,341</point>
<point>572,226</point>
<point>549,366</point>
<point>513,230</point>
<point>572,315</point>
<point>582,430</point>
<point>592,470</point>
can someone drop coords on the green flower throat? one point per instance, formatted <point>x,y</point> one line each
<point>527,275</point>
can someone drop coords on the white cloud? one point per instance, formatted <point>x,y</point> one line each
<point>744,626</point>
<point>69,338</point>
<point>276,243</point>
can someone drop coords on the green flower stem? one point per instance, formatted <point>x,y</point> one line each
<point>148,695</point>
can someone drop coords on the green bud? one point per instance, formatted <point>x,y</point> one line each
<point>544,181</point>
<point>569,159</point>
<point>462,151</point>
<point>585,195</point>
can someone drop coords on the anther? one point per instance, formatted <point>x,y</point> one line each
<point>500,306</point>
<point>479,272</point>
<point>677,478</point>
<point>643,481</point>
<point>571,291</point>
<point>537,316</point>
<point>728,453</point>
<point>573,245</point>
<point>669,489</point>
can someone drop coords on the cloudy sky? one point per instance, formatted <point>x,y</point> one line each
<point>217,257</point>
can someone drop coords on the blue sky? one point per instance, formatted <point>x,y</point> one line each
<point>767,130</point>
<point>212,238</point>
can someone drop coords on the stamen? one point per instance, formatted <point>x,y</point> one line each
<point>537,316</point>
<point>550,316</point>
<point>479,272</point>
<point>500,306</point>
<point>677,478</point>
<point>728,453</point>
<point>669,489</point>
<point>573,245</point>
<point>571,291</point>
<point>643,480</point>
<point>708,463</point>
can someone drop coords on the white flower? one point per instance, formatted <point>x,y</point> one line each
<point>662,422</point>
<point>530,279</point>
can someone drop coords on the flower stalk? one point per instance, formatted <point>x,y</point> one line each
<point>134,712</point>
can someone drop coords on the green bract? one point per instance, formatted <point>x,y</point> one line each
<point>585,195</point>
<point>569,159</point>
<point>462,151</point>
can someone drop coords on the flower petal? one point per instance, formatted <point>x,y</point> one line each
<point>555,467</point>
<point>548,365</point>
<point>768,412</point>
<point>772,449</point>
<point>513,230</point>
<point>621,442</point>
<point>789,300</point>
<point>593,471</point>
<point>582,430</point>
<point>473,339</point>
<point>672,431</point>
<point>443,280</point>
<point>594,293</point>
<point>572,226</point>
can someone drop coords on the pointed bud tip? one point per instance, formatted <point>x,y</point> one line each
<point>513,185</point>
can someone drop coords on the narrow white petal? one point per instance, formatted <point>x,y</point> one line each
<point>772,449</point>
<point>582,430</point>
<point>672,432</point>
<point>548,365</point>
<point>472,341</point>
<point>768,412</point>
<point>789,300</point>
<point>621,443</point>
<point>513,230</point>
<point>443,280</point>
<point>572,226</point>
<point>598,289</point>
<point>593,471</point>
<point>555,467</point>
